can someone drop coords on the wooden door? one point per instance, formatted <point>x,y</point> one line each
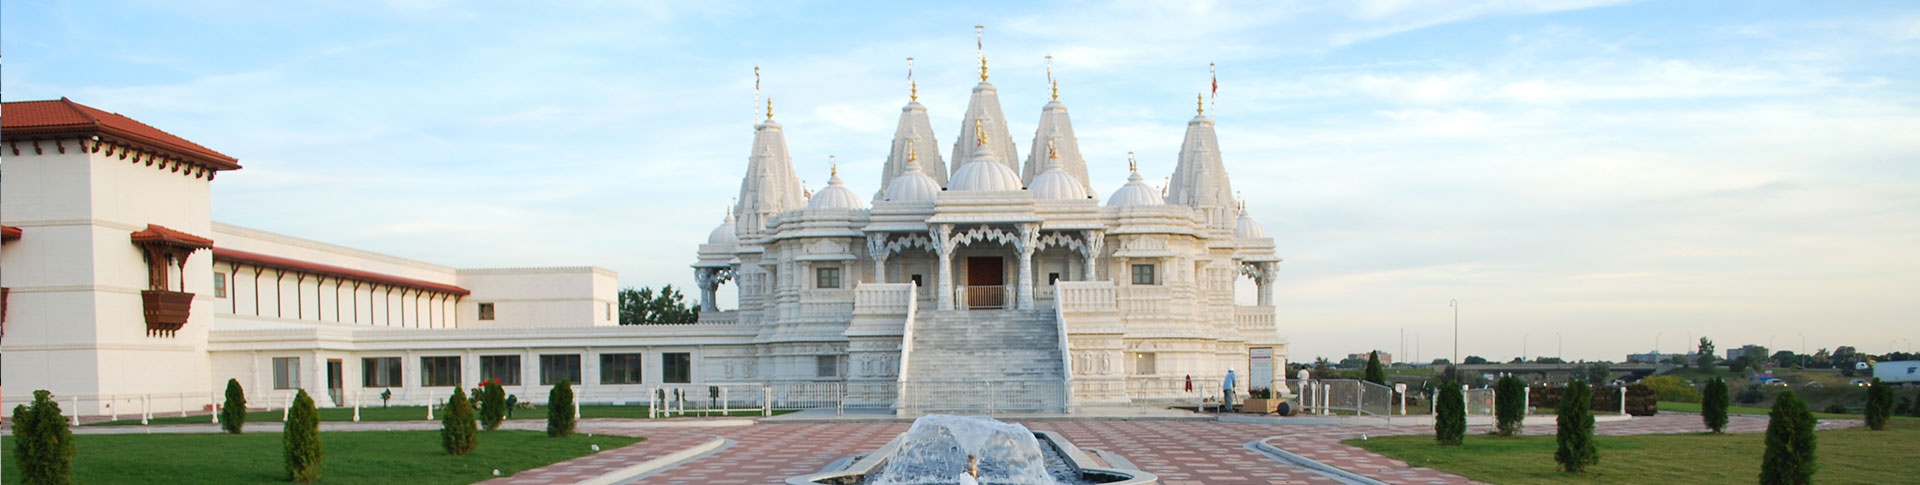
<point>986,280</point>
<point>336,383</point>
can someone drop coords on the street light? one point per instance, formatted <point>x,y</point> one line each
<point>1455,303</point>
<point>1523,347</point>
<point>1656,344</point>
<point>1803,344</point>
<point>1560,352</point>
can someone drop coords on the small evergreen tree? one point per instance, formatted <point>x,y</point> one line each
<point>233,414</point>
<point>1879,404</point>
<point>301,440</point>
<point>1790,442</point>
<point>1450,415</point>
<point>42,444</point>
<point>1705,357</point>
<point>457,430</point>
<point>1375,374</point>
<point>1511,406</point>
<point>493,405</point>
<point>1575,429</point>
<point>560,418</point>
<point>1713,405</point>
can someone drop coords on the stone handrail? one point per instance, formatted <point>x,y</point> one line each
<point>1066,357</point>
<point>1253,316</point>
<point>1147,299</point>
<point>883,298</point>
<point>906,349</point>
<point>1084,296</point>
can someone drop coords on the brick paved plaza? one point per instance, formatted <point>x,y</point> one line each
<point>1181,452</point>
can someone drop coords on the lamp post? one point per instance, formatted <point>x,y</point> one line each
<point>1523,347</point>
<point>1656,344</point>
<point>1455,303</point>
<point>1803,344</point>
<point>1560,347</point>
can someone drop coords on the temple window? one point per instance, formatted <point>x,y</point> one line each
<point>826,277</point>
<point>440,371</point>
<point>1143,274</point>
<point>219,285</point>
<point>486,311</point>
<point>676,367</point>
<point>826,366</point>
<point>286,372</point>
<point>620,368</point>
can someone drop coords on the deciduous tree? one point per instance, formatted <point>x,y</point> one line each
<point>643,306</point>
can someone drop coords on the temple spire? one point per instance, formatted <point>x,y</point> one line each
<point>913,132</point>
<point>980,48</point>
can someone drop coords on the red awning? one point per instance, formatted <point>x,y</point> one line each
<point>9,233</point>
<point>257,259</point>
<point>158,234</point>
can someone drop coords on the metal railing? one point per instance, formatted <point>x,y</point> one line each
<point>1335,396</point>
<point>984,296</point>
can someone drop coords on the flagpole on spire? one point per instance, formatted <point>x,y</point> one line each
<point>756,91</point>
<point>1214,98</point>
<point>980,48</point>
<point>1050,83</point>
<point>913,89</point>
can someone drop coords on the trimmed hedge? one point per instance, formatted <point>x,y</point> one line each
<point>1790,442</point>
<point>458,433</point>
<point>1450,415</point>
<point>560,418</point>
<point>1509,396</point>
<point>1641,400</point>
<point>1713,405</point>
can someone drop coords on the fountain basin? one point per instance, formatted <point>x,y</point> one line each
<point>860,467</point>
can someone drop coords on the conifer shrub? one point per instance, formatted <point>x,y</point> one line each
<point>1879,404</point>
<point>1509,396</point>
<point>1375,374</point>
<point>1790,442</point>
<point>560,418</point>
<point>1450,415</point>
<point>457,430</point>
<point>1713,405</point>
<point>43,446</point>
<point>493,405</point>
<point>233,414</point>
<point>1915,407</point>
<point>301,440</point>
<point>1574,434</point>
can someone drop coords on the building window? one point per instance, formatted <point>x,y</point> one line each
<point>1053,278</point>
<point>609,312</point>
<point>286,372</point>
<point>620,368</point>
<point>1143,364</point>
<point>380,372</point>
<point>219,285</point>
<point>826,277</point>
<point>440,371</point>
<point>506,368</point>
<point>1143,274</point>
<point>676,368</point>
<point>916,281</point>
<point>555,367</point>
<point>826,366</point>
<point>486,311</point>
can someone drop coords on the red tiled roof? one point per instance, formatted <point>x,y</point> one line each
<point>9,233</point>
<point>263,260</point>
<point>64,118</point>
<point>158,234</point>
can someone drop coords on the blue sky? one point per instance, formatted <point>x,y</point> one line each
<point>1621,174</point>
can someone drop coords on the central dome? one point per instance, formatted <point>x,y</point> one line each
<point>983,174</point>
<point>835,196</point>
<point>1135,192</point>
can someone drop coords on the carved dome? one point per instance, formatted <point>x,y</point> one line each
<point>1247,228</point>
<point>1135,193</point>
<point>913,184</point>
<point>983,173</point>
<point>723,235</point>
<point>835,197</point>
<point>1055,183</point>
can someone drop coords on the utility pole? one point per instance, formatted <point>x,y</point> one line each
<point>1455,303</point>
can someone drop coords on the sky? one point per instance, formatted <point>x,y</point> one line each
<point>1586,178</point>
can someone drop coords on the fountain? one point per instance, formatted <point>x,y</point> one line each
<point>969,450</point>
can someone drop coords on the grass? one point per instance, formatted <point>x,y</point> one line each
<point>1694,407</point>
<point>418,413</point>
<point>1845,456</point>
<point>412,457</point>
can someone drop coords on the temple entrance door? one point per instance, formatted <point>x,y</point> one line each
<point>986,282</point>
<point>336,383</point>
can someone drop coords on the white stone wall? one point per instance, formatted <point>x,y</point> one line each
<point>542,297</point>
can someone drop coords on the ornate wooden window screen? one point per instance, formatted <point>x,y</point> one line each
<point>166,310</point>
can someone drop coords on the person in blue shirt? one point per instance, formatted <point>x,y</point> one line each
<point>1228,387</point>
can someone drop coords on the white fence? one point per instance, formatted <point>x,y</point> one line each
<point>1329,396</point>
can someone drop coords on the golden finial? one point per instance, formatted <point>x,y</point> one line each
<point>913,88</point>
<point>1199,103</point>
<point>980,48</point>
<point>1056,90</point>
<point>1051,153</point>
<point>769,108</point>
<point>983,68</point>
<point>913,152</point>
<point>1132,166</point>
<point>833,167</point>
<point>979,134</point>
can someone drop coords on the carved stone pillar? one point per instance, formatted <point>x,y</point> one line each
<point>704,277</point>
<point>1264,279</point>
<point>1023,290</point>
<point>942,244</point>
<point>877,249</point>
<point>1096,242</point>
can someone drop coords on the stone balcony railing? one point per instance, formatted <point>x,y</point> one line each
<point>729,317</point>
<point>831,304</point>
<point>1146,299</point>
<point>1084,296</point>
<point>1253,317</point>
<point>882,298</point>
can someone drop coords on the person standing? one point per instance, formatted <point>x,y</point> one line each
<point>1228,387</point>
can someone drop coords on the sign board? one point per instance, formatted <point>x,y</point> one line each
<point>1259,367</point>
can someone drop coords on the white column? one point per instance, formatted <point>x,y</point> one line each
<point>1264,280</point>
<point>877,249</point>
<point>1095,242</point>
<point>1029,237</point>
<point>943,289</point>
<point>709,282</point>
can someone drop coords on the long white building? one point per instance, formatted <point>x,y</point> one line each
<point>992,274</point>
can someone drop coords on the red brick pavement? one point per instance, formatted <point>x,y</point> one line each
<point>1181,452</point>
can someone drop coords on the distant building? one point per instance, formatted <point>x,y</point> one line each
<point>1656,357</point>
<point>1385,358</point>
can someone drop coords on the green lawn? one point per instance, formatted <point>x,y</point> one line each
<point>419,413</point>
<point>386,457</point>
<point>1845,456</point>
<point>1694,407</point>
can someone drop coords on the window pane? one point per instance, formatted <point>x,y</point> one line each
<point>620,368</point>
<point>675,368</point>
<point>555,367</point>
<point>486,311</point>
<point>1143,364</point>
<point>828,278</point>
<point>219,285</point>
<point>826,366</point>
<point>380,372</point>
<point>506,368</point>
<point>440,371</point>
<point>1143,274</point>
<point>286,372</point>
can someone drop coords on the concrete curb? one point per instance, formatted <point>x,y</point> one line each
<point>657,464</point>
<point>1261,446</point>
